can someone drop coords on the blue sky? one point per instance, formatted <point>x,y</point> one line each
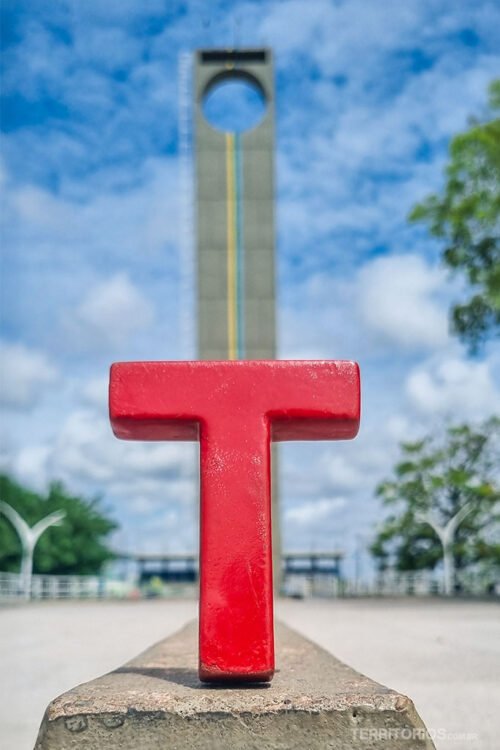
<point>94,269</point>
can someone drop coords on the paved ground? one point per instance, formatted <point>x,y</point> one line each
<point>48,648</point>
<point>445,655</point>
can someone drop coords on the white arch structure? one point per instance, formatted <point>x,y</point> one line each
<point>29,537</point>
<point>446,536</point>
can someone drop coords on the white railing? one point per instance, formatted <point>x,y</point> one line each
<point>392,583</point>
<point>422,583</point>
<point>61,587</point>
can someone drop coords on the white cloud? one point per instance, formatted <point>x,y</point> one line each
<point>302,21</point>
<point>85,447</point>
<point>314,512</point>
<point>112,312</point>
<point>141,479</point>
<point>398,299</point>
<point>68,248</point>
<point>454,388</point>
<point>3,174</point>
<point>393,304</point>
<point>114,212</point>
<point>31,464</point>
<point>351,468</point>
<point>342,473</point>
<point>120,11</point>
<point>109,48</point>
<point>94,393</point>
<point>25,374</point>
<point>42,210</point>
<point>377,144</point>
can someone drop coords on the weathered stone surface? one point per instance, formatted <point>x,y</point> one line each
<point>156,701</point>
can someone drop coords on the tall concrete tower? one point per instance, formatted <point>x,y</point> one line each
<point>235,224</point>
<point>235,216</point>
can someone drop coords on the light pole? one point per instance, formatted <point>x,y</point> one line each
<point>29,537</point>
<point>446,536</point>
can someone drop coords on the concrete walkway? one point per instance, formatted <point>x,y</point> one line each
<point>48,648</point>
<point>445,655</point>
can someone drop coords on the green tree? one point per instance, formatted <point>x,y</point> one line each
<point>441,475</point>
<point>77,546</point>
<point>466,216</point>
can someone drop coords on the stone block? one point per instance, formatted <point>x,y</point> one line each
<point>156,702</point>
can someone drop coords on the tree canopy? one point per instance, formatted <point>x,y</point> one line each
<point>77,546</point>
<point>441,474</point>
<point>466,216</point>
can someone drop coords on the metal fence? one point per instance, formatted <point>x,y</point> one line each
<point>61,587</point>
<point>389,583</point>
<point>423,583</point>
<point>392,583</point>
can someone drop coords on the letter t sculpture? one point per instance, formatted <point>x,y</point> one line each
<point>235,409</point>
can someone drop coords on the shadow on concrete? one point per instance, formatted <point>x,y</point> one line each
<point>189,678</point>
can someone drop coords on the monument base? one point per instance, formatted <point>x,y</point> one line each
<point>156,701</point>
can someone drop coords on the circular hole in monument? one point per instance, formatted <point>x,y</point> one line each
<point>234,104</point>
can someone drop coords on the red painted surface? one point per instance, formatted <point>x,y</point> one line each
<point>234,409</point>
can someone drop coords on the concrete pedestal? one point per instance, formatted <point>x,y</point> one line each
<point>156,702</point>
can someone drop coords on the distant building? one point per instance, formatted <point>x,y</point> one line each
<point>303,573</point>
